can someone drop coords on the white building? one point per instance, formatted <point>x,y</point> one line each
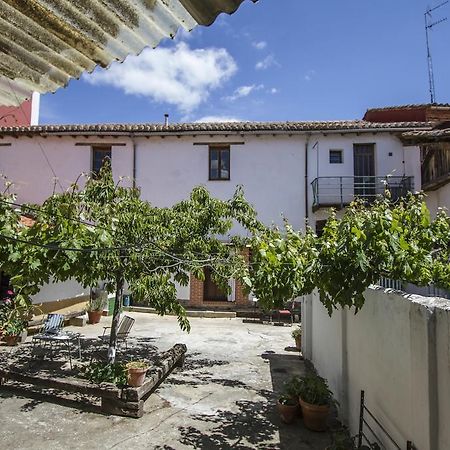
<point>292,169</point>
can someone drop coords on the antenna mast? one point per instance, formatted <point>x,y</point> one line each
<point>429,24</point>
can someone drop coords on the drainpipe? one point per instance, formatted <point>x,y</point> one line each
<point>133,142</point>
<point>308,136</point>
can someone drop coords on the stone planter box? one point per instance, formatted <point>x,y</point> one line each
<point>126,401</point>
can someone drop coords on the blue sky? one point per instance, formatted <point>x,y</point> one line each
<point>273,60</point>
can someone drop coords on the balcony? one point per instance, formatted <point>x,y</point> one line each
<point>338,192</point>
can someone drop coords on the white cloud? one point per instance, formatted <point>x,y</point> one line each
<point>310,75</point>
<point>267,62</point>
<point>273,91</point>
<point>261,45</point>
<point>216,119</point>
<point>180,76</point>
<point>243,91</point>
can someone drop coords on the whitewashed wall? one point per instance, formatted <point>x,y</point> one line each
<point>53,292</point>
<point>396,349</point>
<point>403,161</point>
<point>25,163</point>
<point>270,169</point>
<point>438,198</point>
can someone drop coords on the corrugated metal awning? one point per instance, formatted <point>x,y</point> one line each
<point>45,43</point>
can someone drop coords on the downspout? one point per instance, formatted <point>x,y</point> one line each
<point>133,142</point>
<point>308,136</point>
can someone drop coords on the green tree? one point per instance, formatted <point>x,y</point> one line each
<point>107,232</point>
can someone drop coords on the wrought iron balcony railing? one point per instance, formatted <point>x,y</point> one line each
<point>341,191</point>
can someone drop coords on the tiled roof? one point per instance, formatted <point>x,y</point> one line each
<point>45,43</point>
<point>411,106</point>
<point>423,136</point>
<point>219,127</point>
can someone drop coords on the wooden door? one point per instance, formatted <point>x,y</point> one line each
<point>364,170</point>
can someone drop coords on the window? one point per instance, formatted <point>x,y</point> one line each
<point>336,157</point>
<point>99,154</point>
<point>211,291</point>
<point>219,163</point>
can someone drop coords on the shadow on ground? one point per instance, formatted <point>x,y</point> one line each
<point>53,362</point>
<point>250,424</point>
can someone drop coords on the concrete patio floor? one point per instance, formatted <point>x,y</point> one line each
<point>223,398</point>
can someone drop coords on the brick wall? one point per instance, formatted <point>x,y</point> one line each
<point>197,291</point>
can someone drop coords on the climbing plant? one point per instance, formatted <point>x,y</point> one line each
<point>398,241</point>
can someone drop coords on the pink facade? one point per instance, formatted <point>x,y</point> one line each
<point>24,115</point>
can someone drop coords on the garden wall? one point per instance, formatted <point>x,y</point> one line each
<point>396,349</point>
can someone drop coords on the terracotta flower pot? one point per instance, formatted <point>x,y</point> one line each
<point>315,416</point>
<point>94,316</point>
<point>136,377</point>
<point>298,343</point>
<point>288,413</point>
<point>11,340</point>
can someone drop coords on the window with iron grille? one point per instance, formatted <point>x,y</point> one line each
<point>219,163</point>
<point>336,157</point>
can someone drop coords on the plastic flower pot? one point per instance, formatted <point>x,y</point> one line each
<point>315,416</point>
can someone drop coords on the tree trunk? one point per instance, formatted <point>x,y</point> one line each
<point>115,320</point>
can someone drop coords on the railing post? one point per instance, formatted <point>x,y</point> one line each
<point>361,420</point>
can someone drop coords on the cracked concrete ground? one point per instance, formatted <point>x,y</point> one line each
<point>223,398</point>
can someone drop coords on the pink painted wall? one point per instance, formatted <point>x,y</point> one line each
<point>13,116</point>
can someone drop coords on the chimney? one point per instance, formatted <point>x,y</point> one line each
<point>166,120</point>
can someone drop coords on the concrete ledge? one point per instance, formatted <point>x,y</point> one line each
<point>189,313</point>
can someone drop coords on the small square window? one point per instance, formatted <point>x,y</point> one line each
<point>99,154</point>
<point>219,163</point>
<point>336,157</point>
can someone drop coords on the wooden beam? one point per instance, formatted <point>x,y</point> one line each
<point>219,144</point>
<point>100,144</point>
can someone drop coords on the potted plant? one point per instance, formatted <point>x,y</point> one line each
<point>136,371</point>
<point>288,403</point>
<point>297,335</point>
<point>13,327</point>
<point>288,408</point>
<point>315,400</point>
<point>96,304</point>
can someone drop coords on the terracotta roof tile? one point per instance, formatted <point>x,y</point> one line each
<point>219,127</point>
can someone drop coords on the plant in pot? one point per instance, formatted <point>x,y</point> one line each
<point>136,371</point>
<point>288,408</point>
<point>288,403</point>
<point>297,335</point>
<point>97,302</point>
<point>315,400</point>
<point>13,326</point>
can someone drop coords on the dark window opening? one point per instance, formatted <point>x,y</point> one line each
<point>336,157</point>
<point>219,163</point>
<point>99,155</point>
<point>211,291</point>
<point>320,225</point>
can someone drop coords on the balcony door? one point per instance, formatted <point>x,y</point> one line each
<point>364,170</point>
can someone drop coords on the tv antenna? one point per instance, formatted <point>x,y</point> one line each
<point>429,24</point>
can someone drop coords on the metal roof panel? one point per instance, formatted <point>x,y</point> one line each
<point>45,43</point>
